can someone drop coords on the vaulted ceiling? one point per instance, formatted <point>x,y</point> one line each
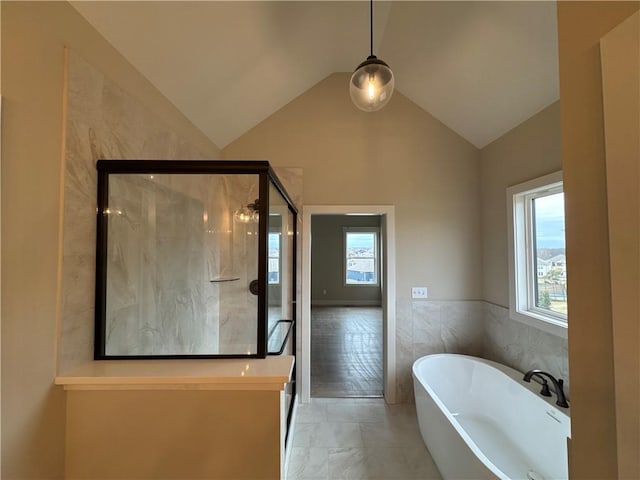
<point>481,68</point>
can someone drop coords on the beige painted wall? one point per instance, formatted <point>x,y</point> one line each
<point>620,50</point>
<point>593,417</point>
<point>530,150</point>
<point>399,156</point>
<point>33,37</point>
<point>327,262</point>
<point>0,242</point>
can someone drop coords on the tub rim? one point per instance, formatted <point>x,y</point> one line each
<point>510,372</point>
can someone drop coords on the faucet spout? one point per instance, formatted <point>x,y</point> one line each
<point>557,385</point>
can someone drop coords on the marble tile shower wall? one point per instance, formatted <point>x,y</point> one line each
<point>471,328</point>
<point>104,121</point>
<point>236,257</point>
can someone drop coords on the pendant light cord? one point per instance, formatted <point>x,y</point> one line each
<point>371,25</point>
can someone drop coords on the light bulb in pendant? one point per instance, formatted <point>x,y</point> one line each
<point>371,89</point>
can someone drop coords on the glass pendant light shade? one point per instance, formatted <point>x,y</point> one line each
<point>371,84</point>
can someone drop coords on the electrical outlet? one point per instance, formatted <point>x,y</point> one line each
<point>419,292</point>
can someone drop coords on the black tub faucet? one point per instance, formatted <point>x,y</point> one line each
<point>557,385</point>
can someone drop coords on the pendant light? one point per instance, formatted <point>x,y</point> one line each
<point>371,85</point>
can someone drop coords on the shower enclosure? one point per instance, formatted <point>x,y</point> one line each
<point>195,259</point>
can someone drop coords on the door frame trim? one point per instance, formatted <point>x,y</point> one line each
<point>388,262</point>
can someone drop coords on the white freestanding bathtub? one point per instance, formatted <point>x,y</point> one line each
<point>479,420</point>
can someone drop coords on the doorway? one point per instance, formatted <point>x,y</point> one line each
<point>387,288</point>
<point>346,306</point>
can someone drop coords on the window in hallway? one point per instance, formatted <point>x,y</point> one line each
<point>361,256</point>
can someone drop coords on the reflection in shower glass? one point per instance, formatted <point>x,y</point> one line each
<point>274,257</point>
<point>179,262</point>
<point>280,281</point>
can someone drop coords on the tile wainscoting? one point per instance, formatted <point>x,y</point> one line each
<point>426,327</point>
<point>523,347</point>
<point>471,328</point>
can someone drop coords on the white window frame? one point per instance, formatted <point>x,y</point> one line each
<point>376,254</point>
<point>522,268</point>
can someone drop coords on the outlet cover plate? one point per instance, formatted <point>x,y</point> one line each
<point>419,292</point>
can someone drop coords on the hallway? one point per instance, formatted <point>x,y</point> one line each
<point>346,352</point>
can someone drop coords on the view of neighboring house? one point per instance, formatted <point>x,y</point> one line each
<point>557,263</point>
<point>361,265</point>
<point>552,283</point>
<point>361,270</point>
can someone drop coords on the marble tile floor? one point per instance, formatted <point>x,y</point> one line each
<point>346,352</point>
<point>349,438</point>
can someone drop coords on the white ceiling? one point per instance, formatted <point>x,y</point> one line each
<point>481,68</point>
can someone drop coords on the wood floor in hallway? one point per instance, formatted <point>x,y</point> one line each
<point>346,352</point>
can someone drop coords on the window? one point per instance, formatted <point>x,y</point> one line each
<point>361,256</point>
<point>537,261</point>
<point>274,258</point>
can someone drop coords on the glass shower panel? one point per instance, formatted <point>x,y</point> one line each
<point>289,295</point>
<point>181,251</point>
<point>279,272</point>
<point>238,315</point>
